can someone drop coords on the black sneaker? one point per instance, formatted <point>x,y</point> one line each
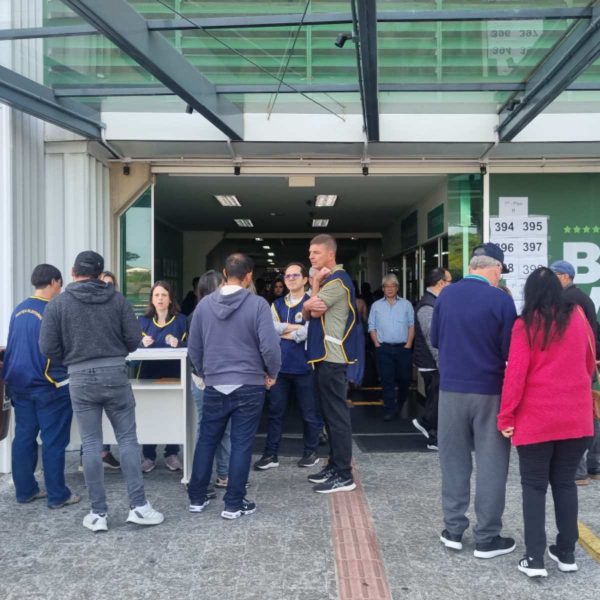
<point>565,560</point>
<point>451,540</point>
<point>196,507</point>
<point>417,425</point>
<point>323,438</point>
<point>211,493</point>
<point>247,508</point>
<point>266,462</point>
<point>110,462</point>
<point>322,476</point>
<point>496,547</point>
<point>432,443</point>
<point>532,567</point>
<point>309,460</point>
<point>335,483</point>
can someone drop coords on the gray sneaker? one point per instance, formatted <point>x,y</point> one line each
<point>72,499</point>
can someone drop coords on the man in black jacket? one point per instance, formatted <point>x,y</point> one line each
<point>590,463</point>
<point>426,356</point>
<point>90,329</point>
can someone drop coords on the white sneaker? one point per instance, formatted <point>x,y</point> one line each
<point>145,515</point>
<point>173,463</point>
<point>95,522</point>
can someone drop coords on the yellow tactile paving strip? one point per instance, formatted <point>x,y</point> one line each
<point>589,541</point>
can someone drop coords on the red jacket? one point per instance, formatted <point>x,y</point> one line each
<point>547,394</point>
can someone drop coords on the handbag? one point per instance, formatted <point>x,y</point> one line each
<point>595,393</point>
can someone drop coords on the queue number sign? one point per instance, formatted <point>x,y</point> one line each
<point>502,227</point>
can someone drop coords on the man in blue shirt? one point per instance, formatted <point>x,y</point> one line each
<point>471,327</point>
<point>38,388</point>
<point>392,329</point>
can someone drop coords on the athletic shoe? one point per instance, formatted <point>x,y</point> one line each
<point>145,515</point>
<point>451,540</point>
<point>72,499</point>
<point>110,462</point>
<point>417,425</point>
<point>565,560</point>
<point>211,493</point>
<point>247,508</point>
<point>336,483</point>
<point>322,476</point>
<point>148,465</point>
<point>37,496</point>
<point>585,481</point>
<point>323,438</point>
<point>496,547</point>
<point>95,522</point>
<point>196,508</point>
<point>266,462</point>
<point>532,567</point>
<point>221,482</point>
<point>173,463</point>
<point>309,460</point>
<point>432,443</point>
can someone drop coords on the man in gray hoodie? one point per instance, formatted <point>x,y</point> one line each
<point>235,350</point>
<point>90,329</point>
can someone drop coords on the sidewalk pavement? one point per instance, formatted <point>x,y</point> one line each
<point>282,552</point>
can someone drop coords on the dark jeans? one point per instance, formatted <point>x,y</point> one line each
<point>553,462</point>
<point>590,461</point>
<point>394,363</point>
<point>92,392</point>
<point>243,407</point>
<point>304,387</point>
<point>331,384</point>
<point>49,414</point>
<point>431,379</point>
<point>149,450</point>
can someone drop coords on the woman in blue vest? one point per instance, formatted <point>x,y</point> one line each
<point>162,327</point>
<point>295,373</point>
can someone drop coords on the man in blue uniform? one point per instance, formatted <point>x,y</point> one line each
<point>38,388</point>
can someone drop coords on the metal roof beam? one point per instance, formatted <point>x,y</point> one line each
<point>40,101</point>
<point>262,21</point>
<point>565,62</point>
<point>366,43</point>
<point>128,30</point>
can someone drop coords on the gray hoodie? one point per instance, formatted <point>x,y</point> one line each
<point>232,339</point>
<point>89,321</point>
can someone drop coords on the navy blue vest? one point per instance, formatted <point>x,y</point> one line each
<point>317,351</point>
<point>294,360</point>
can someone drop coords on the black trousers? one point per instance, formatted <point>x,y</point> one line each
<point>554,463</point>
<point>431,379</point>
<point>332,388</point>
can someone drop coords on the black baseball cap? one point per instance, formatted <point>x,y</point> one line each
<point>89,263</point>
<point>493,251</point>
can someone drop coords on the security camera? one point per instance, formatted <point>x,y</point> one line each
<point>342,38</point>
<point>483,169</point>
<point>365,170</point>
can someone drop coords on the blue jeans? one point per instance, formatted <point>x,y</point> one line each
<point>224,448</point>
<point>394,363</point>
<point>304,386</point>
<point>92,392</point>
<point>48,413</point>
<point>243,408</point>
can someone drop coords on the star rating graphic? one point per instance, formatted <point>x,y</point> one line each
<point>581,229</point>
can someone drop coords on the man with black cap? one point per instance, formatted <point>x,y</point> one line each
<point>589,467</point>
<point>471,327</point>
<point>90,329</point>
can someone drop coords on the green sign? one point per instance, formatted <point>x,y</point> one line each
<point>409,231</point>
<point>435,222</point>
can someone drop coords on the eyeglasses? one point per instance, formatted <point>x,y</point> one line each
<point>292,275</point>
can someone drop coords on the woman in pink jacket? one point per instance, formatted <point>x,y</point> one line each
<point>547,411</point>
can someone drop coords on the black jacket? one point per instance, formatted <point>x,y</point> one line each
<point>575,295</point>
<point>422,354</point>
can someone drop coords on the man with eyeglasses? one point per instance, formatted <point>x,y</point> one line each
<point>392,329</point>
<point>295,374</point>
<point>426,356</point>
<point>471,328</point>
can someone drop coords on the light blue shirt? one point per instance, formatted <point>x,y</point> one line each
<point>391,321</point>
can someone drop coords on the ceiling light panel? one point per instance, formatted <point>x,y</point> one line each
<point>228,200</point>
<point>266,247</point>
<point>325,200</point>
<point>320,222</point>
<point>244,223</point>
<point>270,253</point>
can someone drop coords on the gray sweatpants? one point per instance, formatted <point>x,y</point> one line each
<point>467,423</point>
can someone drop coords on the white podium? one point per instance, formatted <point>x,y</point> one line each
<point>164,412</point>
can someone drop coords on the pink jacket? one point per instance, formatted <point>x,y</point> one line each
<point>547,395</point>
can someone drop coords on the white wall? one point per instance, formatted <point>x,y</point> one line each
<point>392,242</point>
<point>196,245</point>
